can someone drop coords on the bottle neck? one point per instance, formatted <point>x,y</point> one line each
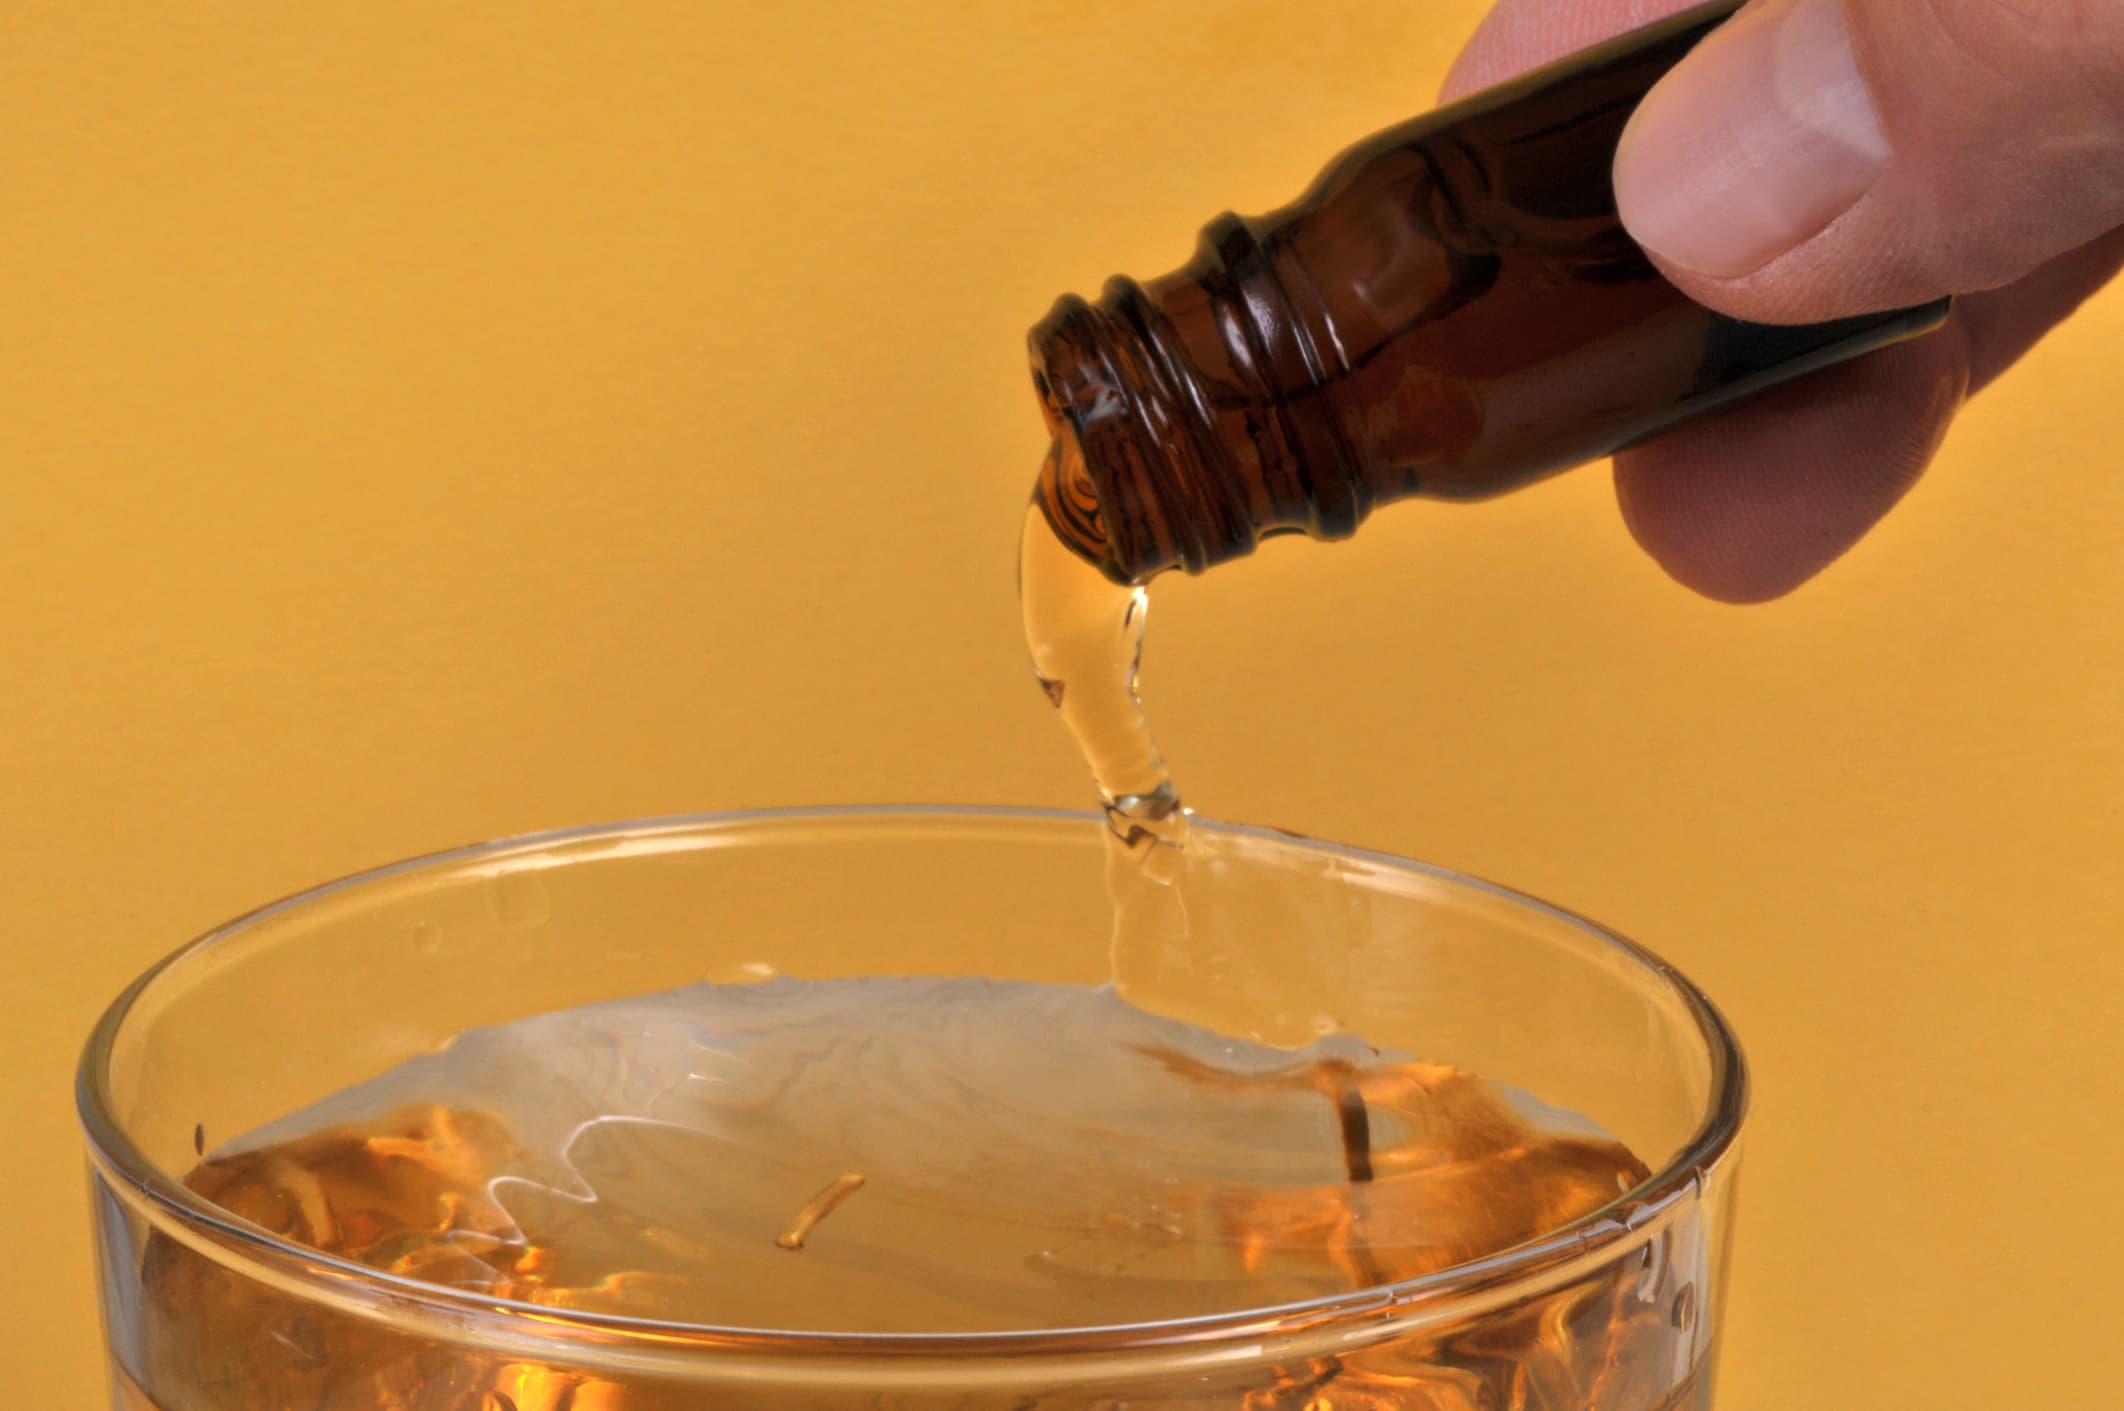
<point>1151,383</point>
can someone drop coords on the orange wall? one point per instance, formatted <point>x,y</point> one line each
<point>429,423</point>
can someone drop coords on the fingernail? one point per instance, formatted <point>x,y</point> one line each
<point>1754,145</point>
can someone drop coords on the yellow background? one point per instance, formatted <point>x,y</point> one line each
<point>423,423</point>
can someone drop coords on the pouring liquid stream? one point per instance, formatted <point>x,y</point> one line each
<point>1085,634</point>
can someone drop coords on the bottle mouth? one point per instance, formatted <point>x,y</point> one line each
<point>1069,499</point>
<point>1145,491</point>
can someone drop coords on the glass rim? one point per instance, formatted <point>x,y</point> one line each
<point>1507,1275</point>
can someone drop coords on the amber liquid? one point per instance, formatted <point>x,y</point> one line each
<point>908,1155</point>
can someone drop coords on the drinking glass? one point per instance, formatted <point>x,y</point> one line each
<point>203,1311</point>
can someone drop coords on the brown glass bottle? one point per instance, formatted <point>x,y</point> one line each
<point>1454,309</point>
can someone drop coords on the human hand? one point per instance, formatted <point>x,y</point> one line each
<point>1820,158</point>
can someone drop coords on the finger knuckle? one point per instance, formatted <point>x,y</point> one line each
<point>2012,112</point>
<point>2046,50</point>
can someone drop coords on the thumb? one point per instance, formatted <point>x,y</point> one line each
<point>1818,158</point>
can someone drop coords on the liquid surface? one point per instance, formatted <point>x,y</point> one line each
<point>911,1155</point>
